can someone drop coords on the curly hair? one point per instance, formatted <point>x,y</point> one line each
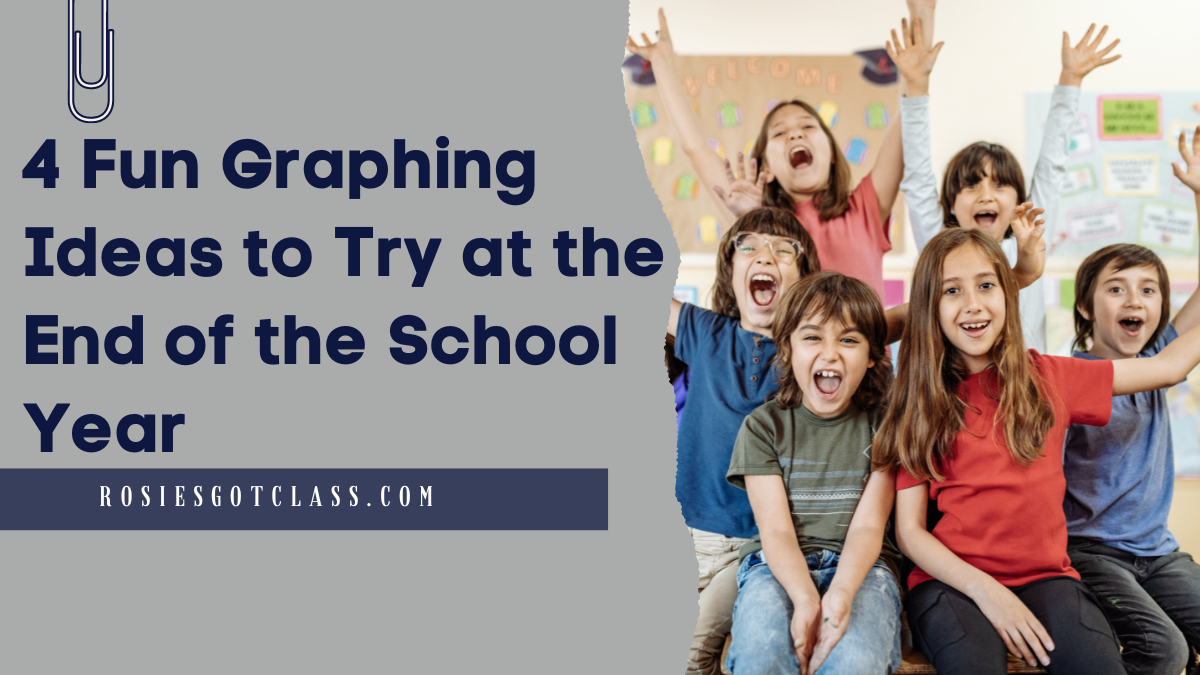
<point>828,296</point>
<point>777,222</point>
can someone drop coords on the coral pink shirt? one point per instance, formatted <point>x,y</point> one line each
<point>1003,518</point>
<point>854,242</point>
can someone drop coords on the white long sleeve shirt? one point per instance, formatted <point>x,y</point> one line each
<point>920,190</point>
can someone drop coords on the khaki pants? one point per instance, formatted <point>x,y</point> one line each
<point>717,556</point>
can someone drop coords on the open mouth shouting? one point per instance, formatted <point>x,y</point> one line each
<point>976,329</point>
<point>763,289</point>
<point>1132,326</point>
<point>985,219</point>
<point>828,383</point>
<point>800,158</point>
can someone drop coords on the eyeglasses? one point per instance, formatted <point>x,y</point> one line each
<point>784,250</point>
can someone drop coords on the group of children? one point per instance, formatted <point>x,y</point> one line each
<point>798,450</point>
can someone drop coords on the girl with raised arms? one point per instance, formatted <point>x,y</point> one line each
<point>976,422</point>
<point>984,183</point>
<point>796,165</point>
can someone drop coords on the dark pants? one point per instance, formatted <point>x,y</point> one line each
<point>957,638</point>
<point>1152,602</point>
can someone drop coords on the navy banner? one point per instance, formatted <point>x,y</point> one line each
<point>304,499</point>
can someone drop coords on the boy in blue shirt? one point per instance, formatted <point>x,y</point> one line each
<point>1120,477</point>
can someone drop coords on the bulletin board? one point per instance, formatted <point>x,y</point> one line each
<point>1119,187</point>
<point>857,95</point>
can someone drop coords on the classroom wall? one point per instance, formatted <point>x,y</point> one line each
<point>994,55</point>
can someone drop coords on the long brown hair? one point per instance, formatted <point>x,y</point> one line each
<point>770,221</point>
<point>1123,256</point>
<point>835,199</point>
<point>967,169</point>
<point>925,413</point>
<point>856,305</point>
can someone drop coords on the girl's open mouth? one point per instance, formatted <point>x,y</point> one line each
<point>762,289</point>
<point>985,219</point>
<point>1132,326</point>
<point>975,329</point>
<point>800,158</point>
<point>828,382</point>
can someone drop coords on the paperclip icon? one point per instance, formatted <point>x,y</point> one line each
<point>75,71</point>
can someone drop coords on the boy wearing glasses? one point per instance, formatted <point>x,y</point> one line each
<point>729,352</point>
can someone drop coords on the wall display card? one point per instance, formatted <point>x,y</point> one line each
<point>1129,118</point>
<point>1091,224</point>
<point>1164,226</point>
<point>1131,175</point>
<point>1077,179</point>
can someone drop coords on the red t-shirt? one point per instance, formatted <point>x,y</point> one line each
<point>1001,517</point>
<point>854,242</point>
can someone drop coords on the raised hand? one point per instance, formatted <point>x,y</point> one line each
<point>912,58</point>
<point>1029,230</point>
<point>805,619</point>
<point>835,617</point>
<point>1022,633</point>
<point>745,191</point>
<point>1189,175</point>
<point>1084,57</point>
<point>654,52</point>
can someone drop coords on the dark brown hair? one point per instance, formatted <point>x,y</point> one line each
<point>925,413</point>
<point>777,222</point>
<point>1122,256</point>
<point>967,169</point>
<point>821,297</point>
<point>675,367</point>
<point>831,203</point>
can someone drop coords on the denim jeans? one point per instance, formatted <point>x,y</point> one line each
<point>1153,603</point>
<point>762,617</point>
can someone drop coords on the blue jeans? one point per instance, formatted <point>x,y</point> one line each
<point>762,641</point>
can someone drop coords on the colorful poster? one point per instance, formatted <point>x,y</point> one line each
<point>1129,117</point>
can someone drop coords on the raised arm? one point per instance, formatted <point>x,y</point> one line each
<point>1189,316</point>
<point>915,63</point>
<point>1165,369</point>
<point>860,551</point>
<point>1048,173</point>
<point>709,166</point>
<point>1022,633</point>
<point>773,514</point>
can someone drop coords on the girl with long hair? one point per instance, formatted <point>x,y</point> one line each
<point>976,422</point>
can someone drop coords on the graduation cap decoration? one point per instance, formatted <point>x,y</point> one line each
<point>879,67</point>
<point>642,74</point>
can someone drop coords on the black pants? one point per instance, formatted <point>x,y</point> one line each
<point>1152,602</point>
<point>957,638</point>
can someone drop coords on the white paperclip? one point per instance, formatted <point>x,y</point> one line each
<point>76,74</point>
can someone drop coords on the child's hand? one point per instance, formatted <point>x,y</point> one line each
<point>1190,174</point>
<point>835,617</point>
<point>661,52</point>
<point>1083,58</point>
<point>745,192</point>
<point>912,59</point>
<point>805,619</point>
<point>1022,633</point>
<point>1028,230</point>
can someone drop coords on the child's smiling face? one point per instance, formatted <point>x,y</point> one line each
<point>764,266</point>
<point>798,152</point>
<point>972,308</point>
<point>1127,307</point>
<point>829,361</point>
<point>987,205</point>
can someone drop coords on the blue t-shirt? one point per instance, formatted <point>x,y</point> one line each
<point>730,375</point>
<point>1120,477</point>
